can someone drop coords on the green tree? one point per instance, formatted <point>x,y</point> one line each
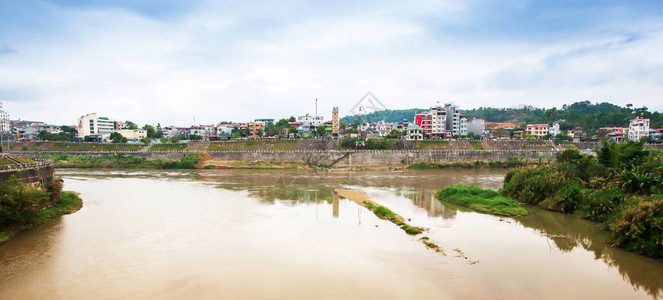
<point>130,125</point>
<point>150,130</point>
<point>320,131</point>
<point>394,134</point>
<point>117,137</point>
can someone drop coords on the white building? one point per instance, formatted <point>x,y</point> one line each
<point>130,134</point>
<point>476,126</point>
<point>554,129</point>
<point>313,120</point>
<point>90,125</point>
<point>638,128</point>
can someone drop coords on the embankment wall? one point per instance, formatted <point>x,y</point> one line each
<point>39,174</point>
<point>337,158</point>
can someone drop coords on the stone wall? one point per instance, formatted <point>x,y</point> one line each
<point>42,175</point>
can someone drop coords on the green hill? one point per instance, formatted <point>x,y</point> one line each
<point>580,114</point>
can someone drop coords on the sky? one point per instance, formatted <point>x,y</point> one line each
<point>173,62</point>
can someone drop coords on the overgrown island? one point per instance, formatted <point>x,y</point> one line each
<point>621,187</point>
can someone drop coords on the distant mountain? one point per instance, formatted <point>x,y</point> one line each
<point>580,114</point>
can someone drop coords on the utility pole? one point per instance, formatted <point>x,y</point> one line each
<point>316,108</point>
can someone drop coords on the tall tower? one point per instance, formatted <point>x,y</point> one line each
<point>335,124</point>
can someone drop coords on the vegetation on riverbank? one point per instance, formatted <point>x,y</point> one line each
<point>481,200</point>
<point>386,214</point>
<point>512,162</point>
<point>24,206</point>
<point>622,188</point>
<point>188,161</point>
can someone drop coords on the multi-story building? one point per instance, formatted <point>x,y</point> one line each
<point>256,128</point>
<point>463,125</point>
<point>335,122</point>
<point>92,125</point>
<point>537,130</point>
<point>424,120</point>
<point>554,129</point>
<point>453,120</point>
<point>638,128</point>
<point>438,120</point>
<point>313,120</point>
<point>476,126</point>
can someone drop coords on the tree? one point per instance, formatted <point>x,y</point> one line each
<point>145,140</point>
<point>130,125</point>
<point>320,131</point>
<point>117,137</point>
<point>292,119</point>
<point>151,131</point>
<point>394,134</point>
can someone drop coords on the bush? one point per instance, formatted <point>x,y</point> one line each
<point>20,203</point>
<point>534,184</point>
<point>599,205</point>
<point>481,200</point>
<point>639,228</point>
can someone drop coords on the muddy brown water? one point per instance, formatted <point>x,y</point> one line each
<point>281,234</point>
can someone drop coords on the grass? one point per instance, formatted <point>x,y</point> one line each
<point>117,160</point>
<point>476,145</point>
<point>432,145</point>
<point>285,145</point>
<point>481,200</point>
<point>431,245</point>
<point>386,214</point>
<point>67,204</point>
<point>169,147</point>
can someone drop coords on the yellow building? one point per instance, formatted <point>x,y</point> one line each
<point>335,123</point>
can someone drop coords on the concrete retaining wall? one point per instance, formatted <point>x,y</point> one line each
<point>338,157</point>
<point>42,175</point>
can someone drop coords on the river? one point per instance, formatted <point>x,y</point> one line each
<point>251,234</point>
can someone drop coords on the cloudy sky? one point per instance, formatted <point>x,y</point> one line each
<point>170,60</point>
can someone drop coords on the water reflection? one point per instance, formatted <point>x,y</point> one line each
<point>642,272</point>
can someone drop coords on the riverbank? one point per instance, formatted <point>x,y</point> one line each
<point>621,188</point>
<point>68,203</point>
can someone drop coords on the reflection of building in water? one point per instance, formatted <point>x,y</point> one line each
<point>426,200</point>
<point>335,204</point>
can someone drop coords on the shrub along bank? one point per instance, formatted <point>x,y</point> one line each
<point>189,161</point>
<point>481,200</point>
<point>622,188</point>
<point>23,206</point>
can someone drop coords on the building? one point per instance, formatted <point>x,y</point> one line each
<point>576,134</point>
<point>656,134</point>
<point>453,120</point>
<point>537,130</point>
<point>424,121</point>
<point>265,121</point>
<point>498,125</point>
<point>92,125</point>
<point>476,126</point>
<point>256,129</point>
<point>313,120</point>
<point>615,134</point>
<point>335,123</point>
<point>130,134</point>
<point>554,129</point>
<point>463,125</point>
<point>414,133</point>
<point>638,128</point>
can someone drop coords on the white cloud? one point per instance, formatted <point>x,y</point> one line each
<point>214,65</point>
